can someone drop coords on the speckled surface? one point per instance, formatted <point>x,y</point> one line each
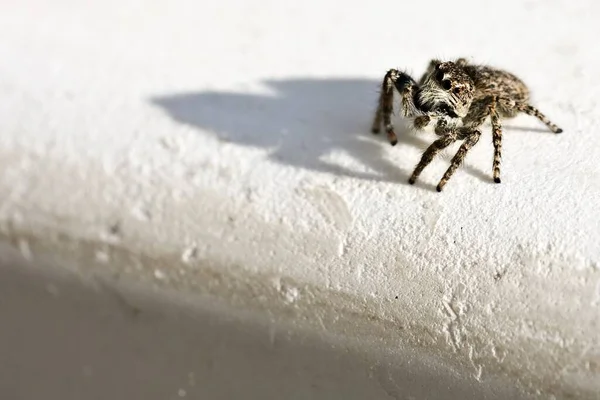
<point>232,140</point>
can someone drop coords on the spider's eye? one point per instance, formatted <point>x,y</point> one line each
<point>439,76</point>
<point>446,84</point>
<point>456,90</point>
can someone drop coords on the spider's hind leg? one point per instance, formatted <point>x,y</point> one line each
<point>509,108</point>
<point>534,112</point>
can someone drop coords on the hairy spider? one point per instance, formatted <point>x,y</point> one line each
<point>456,97</point>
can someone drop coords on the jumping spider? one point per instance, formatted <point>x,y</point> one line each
<point>456,97</point>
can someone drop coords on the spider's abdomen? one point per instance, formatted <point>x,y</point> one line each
<point>495,82</point>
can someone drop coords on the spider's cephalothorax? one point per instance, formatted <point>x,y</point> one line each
<point>456,98</point>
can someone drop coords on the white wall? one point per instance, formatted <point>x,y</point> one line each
<point>223,149</point>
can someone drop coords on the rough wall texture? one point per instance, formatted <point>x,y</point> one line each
<point>229,141</point>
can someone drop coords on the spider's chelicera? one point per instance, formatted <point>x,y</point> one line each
<point>456,97</point>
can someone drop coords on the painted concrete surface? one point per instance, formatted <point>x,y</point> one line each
<point>223,150</point>
<point>98,338</point>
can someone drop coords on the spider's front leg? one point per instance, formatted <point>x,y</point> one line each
<point>406,86</point>
<point>430,67</point>
<point>446,140</point>
<point>470,139</point>
<point>510,108</point>
<point>449,136</point>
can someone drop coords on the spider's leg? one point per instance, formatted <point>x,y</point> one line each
<point>405,86</point>
<point>462,62</point>
<point>478,113</point>
<point>470,141</point>
<point>430,153</point>
<point>497,139</point>
<point>530,110</point>
<point>386,98</point>
<point>430,67</point>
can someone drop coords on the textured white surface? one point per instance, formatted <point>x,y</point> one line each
<point>236,134</point>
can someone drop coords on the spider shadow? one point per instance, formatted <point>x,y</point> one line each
<point>526,129</point>
<point>301,123</point>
